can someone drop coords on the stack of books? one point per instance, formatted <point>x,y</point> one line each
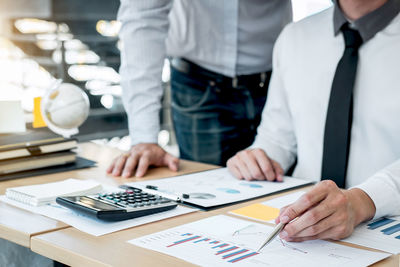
<point>24,156</point>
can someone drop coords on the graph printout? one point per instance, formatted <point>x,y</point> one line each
<point>382,234</point>
<point>217,187</point>
<point>226,241</point>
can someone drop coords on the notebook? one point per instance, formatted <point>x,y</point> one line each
<point>36,162</point>
<point>37,195</point>
<point>79,163</point>
<point>36,148</point>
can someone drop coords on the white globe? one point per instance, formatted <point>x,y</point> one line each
<point>65,108</point>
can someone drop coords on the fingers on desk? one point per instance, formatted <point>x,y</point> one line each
<point>254,164</point>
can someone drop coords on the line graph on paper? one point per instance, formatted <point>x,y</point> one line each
<point>252,233</point>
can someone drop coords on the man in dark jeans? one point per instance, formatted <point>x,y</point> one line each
<point>221,67</point>
<point>215,116</point>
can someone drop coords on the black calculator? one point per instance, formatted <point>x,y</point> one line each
<point>118,206</point>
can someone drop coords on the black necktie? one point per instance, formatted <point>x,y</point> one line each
<point>340,111</point>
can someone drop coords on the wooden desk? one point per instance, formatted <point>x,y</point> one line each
<point>19,226</point>
<point>65,244</point>
<point>75,248</point>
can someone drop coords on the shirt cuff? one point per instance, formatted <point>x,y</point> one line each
<point>382,194</point>
<point>139,138</point>
<point>277,153</point>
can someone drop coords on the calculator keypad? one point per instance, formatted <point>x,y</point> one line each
<point>133,198</point>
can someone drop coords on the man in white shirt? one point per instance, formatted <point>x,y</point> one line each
<point>308,61</point>
<point>221,67</point>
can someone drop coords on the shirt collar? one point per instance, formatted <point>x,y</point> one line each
<point>370,24</point>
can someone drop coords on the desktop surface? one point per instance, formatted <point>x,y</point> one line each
<point>70,246</point>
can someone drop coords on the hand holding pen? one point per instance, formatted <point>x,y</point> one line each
<point>325,212</point>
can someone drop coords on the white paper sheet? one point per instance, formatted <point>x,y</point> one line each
<point>217,187</point>
<point>285,200</point>
<point>375,238</point>
<point>11,117</point>
<point>372,238</point>
<point>223,241</point>
<point>90,225</point>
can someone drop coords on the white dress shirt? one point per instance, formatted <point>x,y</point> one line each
<point>231,37</point>
<point>304,63</point>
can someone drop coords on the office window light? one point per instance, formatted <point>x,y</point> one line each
<point>108,28</point>
<point>31,25</point>
<point>90,72</point>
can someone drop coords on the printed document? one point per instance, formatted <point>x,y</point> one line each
<point>227,241</point>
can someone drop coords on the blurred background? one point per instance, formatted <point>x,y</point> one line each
<point>77,41</point>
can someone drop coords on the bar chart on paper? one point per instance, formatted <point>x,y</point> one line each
<point>226,251</point>
<point>382,234</point>
<point>226,241</point>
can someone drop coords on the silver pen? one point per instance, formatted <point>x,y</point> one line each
<point>278,228</point>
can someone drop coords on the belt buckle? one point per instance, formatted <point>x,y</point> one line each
<point>263,78</point>
<point>180,65</point>
<point>234,82</point>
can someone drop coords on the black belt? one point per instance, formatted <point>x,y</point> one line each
<point>192,69</point>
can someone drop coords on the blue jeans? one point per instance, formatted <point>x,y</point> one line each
<point>212,119</point>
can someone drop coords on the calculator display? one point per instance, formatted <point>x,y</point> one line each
<point>93,203</point>
<point>118,205</point>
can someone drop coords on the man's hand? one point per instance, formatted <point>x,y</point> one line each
<point>325,212</point>
<point>254,164</point>
<point>140,157</point>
